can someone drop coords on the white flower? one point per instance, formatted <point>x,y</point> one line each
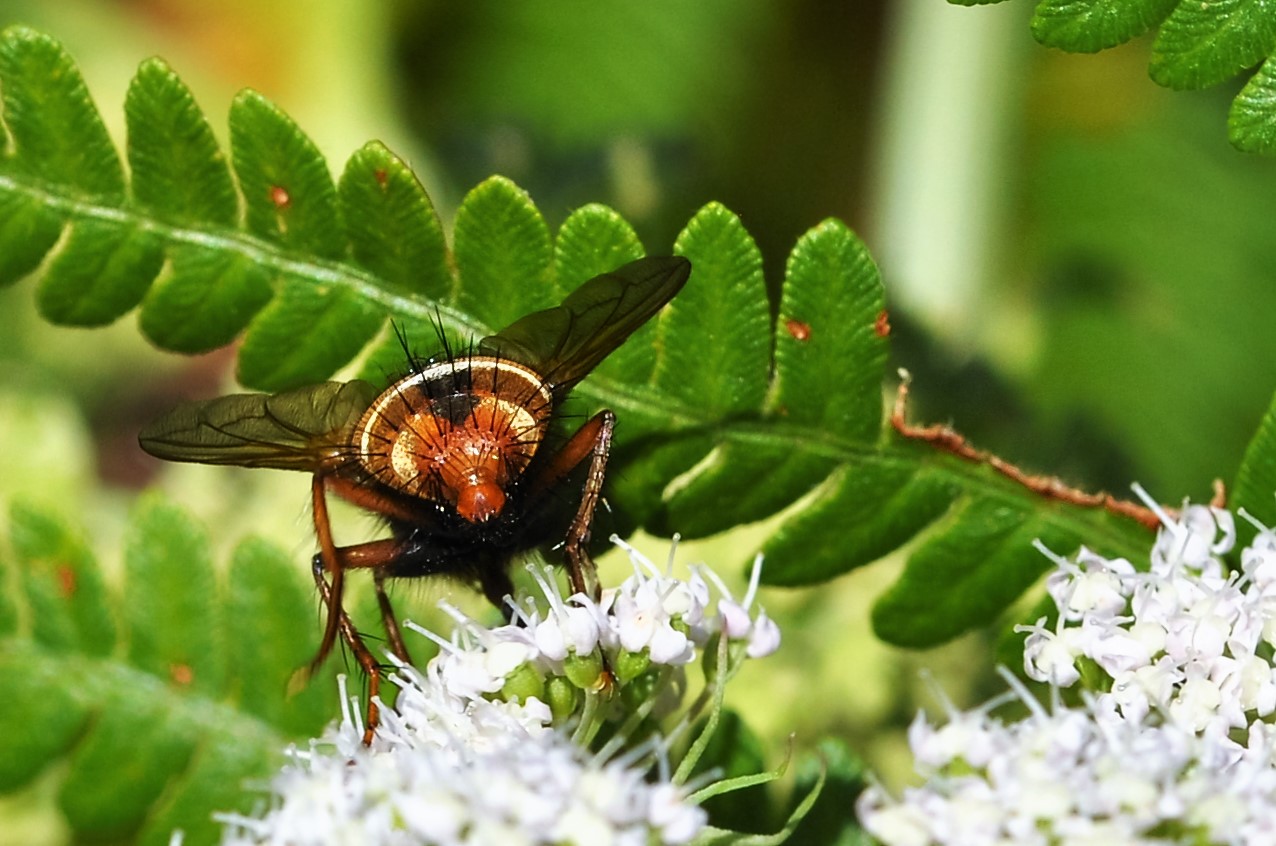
<point>573,626</point>
<point>1065,776</point>
<point>1193,540</point>
<point>1136,692</point>
<point>761,634</point>
<point>1253,686</point>
<point>1093,585</point>
<point>639,616</point>
<point>1112,646</point>
<point>1051,656</point>
<point>1258,561</point>
<point>652,619</point>
<point>669,813</point>
<point>1197,702</point>
<point>764,637</point>
<point>651,610</point>
<point>900,824</point>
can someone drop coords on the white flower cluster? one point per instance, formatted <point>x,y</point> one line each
<point>1078,776</point>
<point>474,752</point>
<point>443,772</point>
<point>652,621</point>
<point>1186,641</point>
<point>1170,744</point>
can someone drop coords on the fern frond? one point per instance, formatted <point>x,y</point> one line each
<point>159,700</point>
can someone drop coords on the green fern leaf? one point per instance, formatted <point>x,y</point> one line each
<point>56,136</point>
<point>120,768</point>
<point>28,229</point>
<point>1203,44</point>
<point>266,622</point>
<point>503,254</point>
<point>99,274</point>
<point>169,599</point>
<point>175,242</point>
<point>396,235</point>
<point>592,240</point>
<point>1251,123</point>
<point>728,305</point>
<point>289,195</point>
<point>1087,26</point>
<point>216,291</point>
<point>305,330</point>
<point>160,722</point>
<point>178,172</point>
<point>814,435</point>
<point>63,585</point>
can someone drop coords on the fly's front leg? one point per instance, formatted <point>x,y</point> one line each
<point>377,555</point>
<point>576,547</point>
<point>592,441</point>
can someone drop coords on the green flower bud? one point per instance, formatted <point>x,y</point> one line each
<point>629,665</point>
<point>562,697</point>
<point>584,670</point>
<point>522,684</point>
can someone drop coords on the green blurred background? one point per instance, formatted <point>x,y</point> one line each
<point>1077,262</point>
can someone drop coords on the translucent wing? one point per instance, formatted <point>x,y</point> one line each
<point>301,429</point>
<point>564,343</point>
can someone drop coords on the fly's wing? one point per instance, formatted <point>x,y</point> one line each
<point>302,429</point>
<point>564,343</point>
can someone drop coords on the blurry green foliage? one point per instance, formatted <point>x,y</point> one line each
<point>141,695</point>
<point>650,107</point>
<point>1157,325</point>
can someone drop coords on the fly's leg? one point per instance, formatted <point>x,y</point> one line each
<point>329,569</point>
<point>593,442</point>
<point>326,561</point>
<point>391,623</point>
<point>358,648</point>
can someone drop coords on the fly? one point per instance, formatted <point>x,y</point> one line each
<point>455,456</point>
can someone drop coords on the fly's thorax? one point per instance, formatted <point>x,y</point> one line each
<point>460,431</point>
